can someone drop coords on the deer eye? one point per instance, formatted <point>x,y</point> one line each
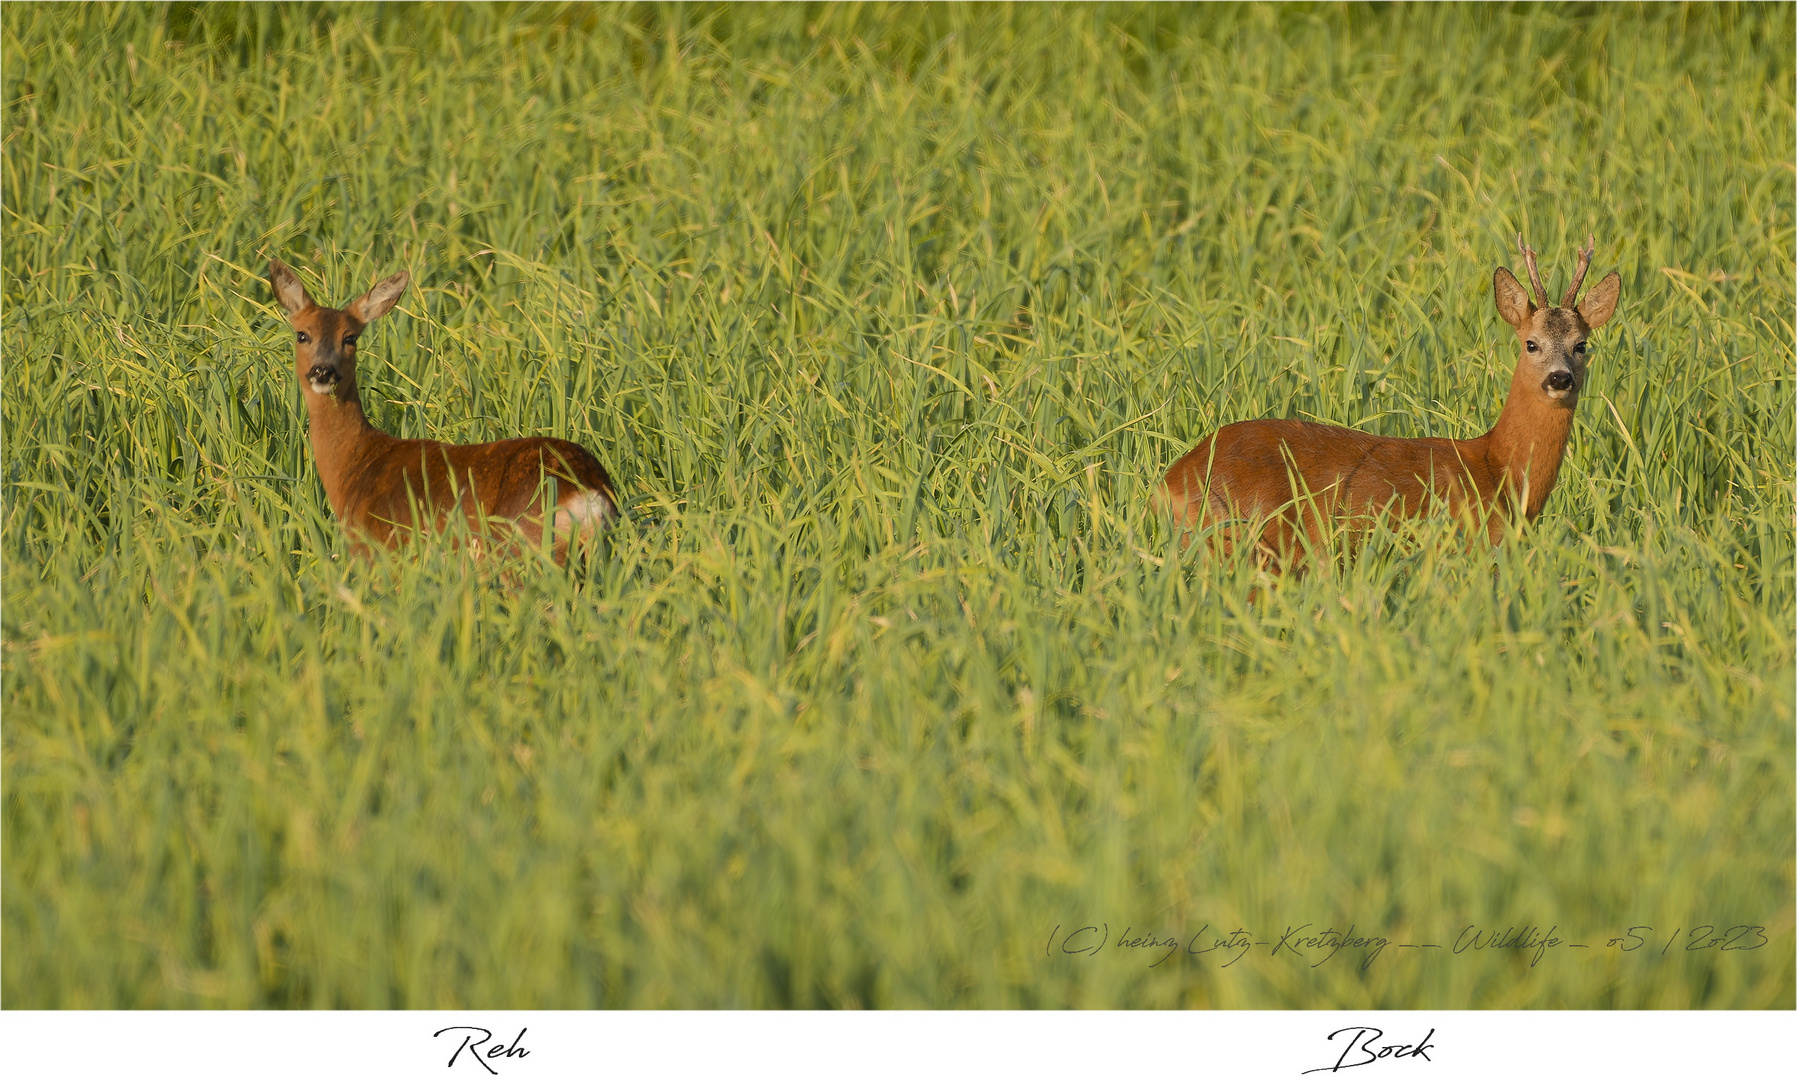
<point>304,337</point>
<point>1534,347</point>
<point>349,342</point>
<point>1579,348</point>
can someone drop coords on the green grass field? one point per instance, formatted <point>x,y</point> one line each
<point>887,320</point>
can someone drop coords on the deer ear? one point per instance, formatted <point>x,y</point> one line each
<point>1600,303</point>
<point>1512,301</point>
<point>380,299</point>
<point>288,289</point>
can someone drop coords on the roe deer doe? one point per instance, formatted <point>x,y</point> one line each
<point>375,482</point>
<point>1280,484</point>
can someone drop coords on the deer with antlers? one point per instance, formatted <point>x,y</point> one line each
<point>384,489</point>
<point>1284,485</point>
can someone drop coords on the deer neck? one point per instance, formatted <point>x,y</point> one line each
<point>1528,442</point>
<point>341,437</point>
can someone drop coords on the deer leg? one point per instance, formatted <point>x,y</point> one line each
<point>1279,549</point>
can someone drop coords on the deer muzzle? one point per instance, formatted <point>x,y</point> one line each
<point>1558,381</point>
<point>323,378</point>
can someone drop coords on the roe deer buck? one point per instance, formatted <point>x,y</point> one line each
<point>1280,483</point>
<point>375,481</point>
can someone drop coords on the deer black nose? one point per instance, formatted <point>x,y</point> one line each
<point>323,373</point>
<point>1559,380</point>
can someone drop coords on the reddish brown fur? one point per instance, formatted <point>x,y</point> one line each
<point>375,482</point>
<point>1284,484</point>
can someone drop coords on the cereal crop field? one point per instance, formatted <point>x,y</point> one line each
<point>887,320</point>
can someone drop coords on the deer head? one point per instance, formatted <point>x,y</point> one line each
<point>325,346</point>
<point>1553,338</point>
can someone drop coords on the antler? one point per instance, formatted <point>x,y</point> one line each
<point>1528,256</point>
<point>1578,279</point>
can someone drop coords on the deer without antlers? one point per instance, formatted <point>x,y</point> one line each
<point>1281,484</point>
<point>376,483</point>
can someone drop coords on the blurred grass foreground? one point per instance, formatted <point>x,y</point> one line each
<point>891,691</point>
